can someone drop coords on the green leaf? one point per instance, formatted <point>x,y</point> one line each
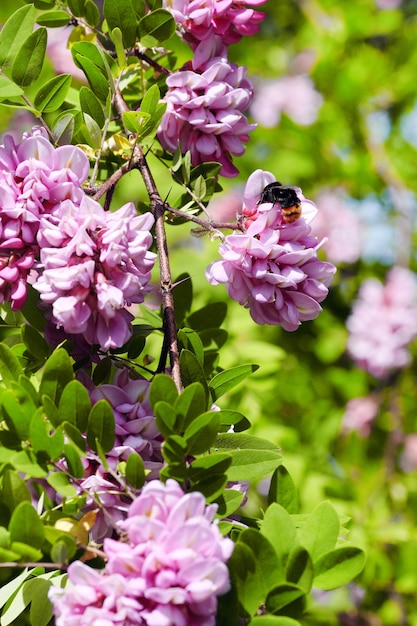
<point>10,368</point>
<point>282,490</point>
<point>53,93</point>
<point>278,527</point>
<point>300,569</point>
<point>14,490</point>
<point>56,375</point>
<point>73,459</point>
<point>191,403</point>
<point>62,484</point>
<point>75,435</point>
<point>135,471</point>
<point>92,13</point>
<point>150,100</point>
<point>213,463</point>
<point>40,606</point>
<point>190,340</point>
<point>212,316</point>
<point>34,342</point>
<point>17,408</point>
<point>25,526</point>
<point>8,590</point>
<point>63,129</point>
<point>286,597</point>
<point>91,105</point>
<point>191,370</point>
<point>211,486</point>
<point>320,532</point>
<point>121,14</point>
<point>202,432</point>
<point>174,449</point>
<point>9,89</point>
<point>17,28</point>
<point>156,27</point>
<point>77,7</point>
<point>27,65</point>
<point>183,297</point>
<point>338,567</point>
<point>53,19</point>
<point>166,418</point>
<point>98,83</point>
<point>101,427</point>
<point>255,569</point>
<point>228,502</point>
<point>226,380</point>
<point>90,132</point>
<point>273,620</point>
<point>250,465</point>
<point>162,388</point>
<point>75,405</point>
<point>26,462</point>
<point>240,441</point>
<point>41,438</point>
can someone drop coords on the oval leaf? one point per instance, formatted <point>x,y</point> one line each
<point>29,60</point>
<point>51,95</point>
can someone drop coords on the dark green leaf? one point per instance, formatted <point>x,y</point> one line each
<point>34,342</point>
<point>183,297</point>
<point>191,403</point>
<point>240,441</point>
<point>162,388</point>
<point>288,598</point>
<point>28,62</point>
<point>251,465</point>
<point>166,418</point>
<point>226,380</point>
<point>74,405</point>
<point>216,463</point>
<point>17,408</point>
<point>91,105</point>
<point>17,28</point>
<point>338,567</point>
<point>73,459</point>
<point>10,368</point>
<point>156,27</point>
<point>53,93</point>
<point>190,340</point>
<point>282,490</point>
<point>202,432</point>
<point>14,490</point>
<point>75,435</point>
<point>43,439</point>
<point>101,426</point>
<point>76,7</point>
<point>25,526</point>
<point>191,370</point>
<point>210,316</point>
<point>121,14</point>
<point>98,83</point>
<point>91,13</point>
<point>300,569</point>
<point>211,486</point>
<point>63,129</point>
<point>174,449</point>
<point>56,375</point>
<point>228,502</point>
<point>53,19</point>
<point>63,550</point>
<point>135,471</point>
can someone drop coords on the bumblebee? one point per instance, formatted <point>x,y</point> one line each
<point>286,197</point>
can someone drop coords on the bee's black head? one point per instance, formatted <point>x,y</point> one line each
<point>275,192</point>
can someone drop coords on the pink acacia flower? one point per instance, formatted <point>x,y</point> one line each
<point>272,268</point>
<point>34,178</point>
<point>359,415</point>
<point>200,20</point>
<point>95,263</point>
<point>383,322</point>
<point>169,572</point>
<point>205,110</point>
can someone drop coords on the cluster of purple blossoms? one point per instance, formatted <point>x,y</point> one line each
<point>206,101</point>
<point>200,20</point>
<point>34,179</point>
<point>136,432</point>
<point>94,264</point>
<point>272,267</point>
<point>383,323</point>
<point>169,571</point>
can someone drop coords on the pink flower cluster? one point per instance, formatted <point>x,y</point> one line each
<point>87,264</point>
<point>34,179</point>
<point>272,267</point>
<point>95,263</point>
<point>200,20</point>
<point>169,572</point>
<point>383,323</point>
<point>206,101</point>
<point>359,415</point>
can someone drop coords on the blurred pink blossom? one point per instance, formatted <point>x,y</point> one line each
<point>272,268</point>
<point>383,322</point>
<point>408,459</point>
<point>59,53</point>
<point>293,95</point>
<point>200,20</point>
<point>359,415</point>
<point>340,226</point>
<point>206,101</point>
<point>169,572</point>
<point>225,207</point>
<point>388,4</point>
